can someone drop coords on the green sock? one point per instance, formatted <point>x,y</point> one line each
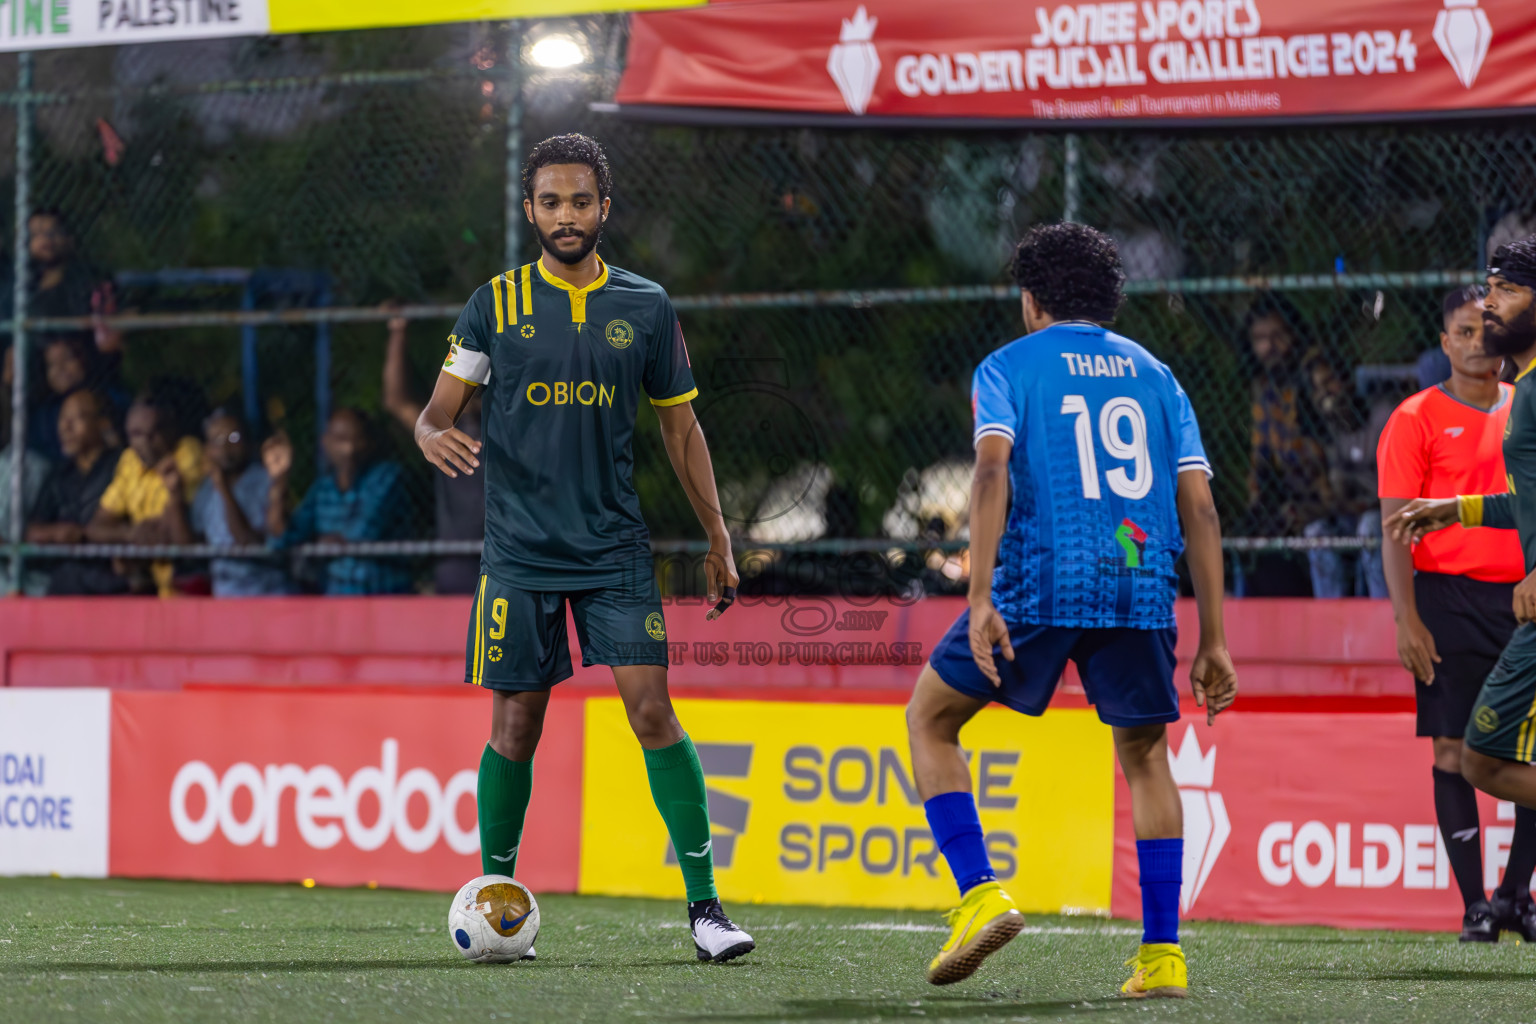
<point>677,786</point>
<point>502,799</point>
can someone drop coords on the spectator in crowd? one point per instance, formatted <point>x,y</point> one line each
<point>155,479</point>
<point>358,499</point>
<point>459,501</point>
<point>1287,477</point>
<point>61,283</point>
<point>73,491</point>
<point>70,363</point>
<point>231,508</point>
<point>34,472</point>
<point>1350,433</point>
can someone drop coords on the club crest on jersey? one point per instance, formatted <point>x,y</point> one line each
<point>655,627</point>
<point>619,333</point>
<point>527,330</point>
<point>1133,539</point>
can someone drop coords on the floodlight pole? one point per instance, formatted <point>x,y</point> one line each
<point>514,174</point>
<point>19,261</point>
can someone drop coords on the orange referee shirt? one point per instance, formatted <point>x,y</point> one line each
<point>1437,446</point>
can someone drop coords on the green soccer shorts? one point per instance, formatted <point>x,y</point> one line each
<point>1503,720</point>
<point>518,640</point>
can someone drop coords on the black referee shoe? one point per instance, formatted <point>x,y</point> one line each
<point>1479,923</point>
<point>1515,915</point>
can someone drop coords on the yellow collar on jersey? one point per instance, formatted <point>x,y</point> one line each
<point>578,296</point>
<point>1528,368</point>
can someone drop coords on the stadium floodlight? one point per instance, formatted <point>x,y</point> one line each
<point>557,52</point>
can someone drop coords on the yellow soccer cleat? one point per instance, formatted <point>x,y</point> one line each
<point>981,925</point>
<point>1159,971</point>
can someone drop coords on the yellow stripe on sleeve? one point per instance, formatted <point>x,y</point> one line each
<point>501,324</point>
<point>511,298</point>
<point>527,289</point>
<point>1469,509</point>
<point>479,669</point>
<point>686,396</point>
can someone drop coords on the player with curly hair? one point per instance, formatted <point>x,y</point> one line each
<point>566,348</point>
<point>1095,446</point>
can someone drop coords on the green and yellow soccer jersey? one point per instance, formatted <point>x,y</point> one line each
<point>564,369</point>
<point>1517,509</point>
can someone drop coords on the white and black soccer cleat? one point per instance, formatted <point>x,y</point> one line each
<point>530,955</point>
<point>715,938</point>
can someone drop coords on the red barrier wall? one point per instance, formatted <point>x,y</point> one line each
<point>340,788</point>
<point>794,647</point>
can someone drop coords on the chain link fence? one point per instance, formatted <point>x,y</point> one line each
<point>220,222</point>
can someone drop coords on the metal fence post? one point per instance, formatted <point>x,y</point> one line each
<point>19,315</point>
<point>514,194</point>
<point>1071,186</point>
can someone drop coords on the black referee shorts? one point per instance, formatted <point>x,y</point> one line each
<point>1471,622</point>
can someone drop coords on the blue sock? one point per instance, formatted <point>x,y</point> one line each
<point>1162,875</point>
<point>957,831</point>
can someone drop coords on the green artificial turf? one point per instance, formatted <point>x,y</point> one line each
<point>175,951</point>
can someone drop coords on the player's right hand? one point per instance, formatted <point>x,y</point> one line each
<point>451,451</point>
<point>1420,516</point>
<point>988,630</point>
<point>1214,680</point>
<point>1416,650</point>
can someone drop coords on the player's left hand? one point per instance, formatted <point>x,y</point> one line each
<point>1214,680</point>
<point>1525,599</point>
<point>988,630</point>
<point>720,578</point>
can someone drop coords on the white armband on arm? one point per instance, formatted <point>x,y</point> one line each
<point>467,365</point>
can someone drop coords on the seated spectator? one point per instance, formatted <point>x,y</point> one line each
<point>1350,436</point>
<point>70,362</point>
<point>61,283</point>
<point>146,502</point>
<point>1287,476</point>
<point>34,471</point>
<point>460,500</point>
<point>231,508</point>
<point>357,499</point>
<point>72,492</point>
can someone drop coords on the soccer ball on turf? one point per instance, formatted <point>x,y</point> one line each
<point>493,920</point>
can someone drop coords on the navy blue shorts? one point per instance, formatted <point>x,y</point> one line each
<point>1127,673</point>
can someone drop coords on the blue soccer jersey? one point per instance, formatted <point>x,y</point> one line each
<point>1101,431</point>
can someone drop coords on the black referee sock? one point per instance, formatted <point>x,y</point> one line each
<point>1522,856</point>
<point>1456,811</point>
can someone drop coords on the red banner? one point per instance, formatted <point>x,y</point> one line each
<point>1310,819</point>
<point>345,789</point>
<point>1172,59</point>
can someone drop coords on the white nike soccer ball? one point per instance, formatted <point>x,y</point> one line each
<point>493,920</point>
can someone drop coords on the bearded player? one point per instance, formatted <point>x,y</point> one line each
<point>1090,479</point>
<point>564,348</point>
<point>1452,597</point>
<point>1500,740</point>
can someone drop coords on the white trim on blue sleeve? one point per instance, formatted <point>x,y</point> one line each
<point>999,429</point>
<point>1190,463</point>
